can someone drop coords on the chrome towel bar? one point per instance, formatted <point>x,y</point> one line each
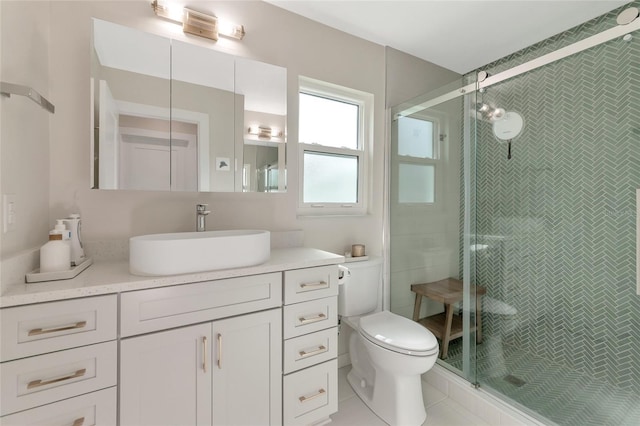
<point>8,89</point>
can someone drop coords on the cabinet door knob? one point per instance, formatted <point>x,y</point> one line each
<point>78,422</point>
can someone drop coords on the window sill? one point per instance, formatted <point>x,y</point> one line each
<point>329,212</point>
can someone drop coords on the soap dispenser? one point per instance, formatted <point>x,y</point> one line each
<point>77,251</point>
<point>55,255</point>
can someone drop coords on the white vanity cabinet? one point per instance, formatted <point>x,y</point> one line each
<point>247,369</point>
<point>221,372</point>
<point>108,348</point>
<point>310,319</point>
<point>163,378</point>
<point>59,363</point>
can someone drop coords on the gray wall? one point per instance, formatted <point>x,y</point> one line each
<point>24,129</point>
<point>49,171</point>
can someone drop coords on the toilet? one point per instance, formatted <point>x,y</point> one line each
<point>388,352</point>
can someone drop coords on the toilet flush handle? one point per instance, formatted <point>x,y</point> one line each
<point>343,273</point>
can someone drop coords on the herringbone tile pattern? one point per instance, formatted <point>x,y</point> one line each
<point>559,223</point>
<point>563,209</point>
<point>555,391</point>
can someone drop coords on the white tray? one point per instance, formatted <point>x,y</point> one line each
<point>355,259</point>
<point>36,276</point>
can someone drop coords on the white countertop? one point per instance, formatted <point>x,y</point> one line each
<point>114,277</point>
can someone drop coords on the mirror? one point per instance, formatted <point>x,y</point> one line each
<point>262,93</point>
<point>169,115</point>
<point>202,95</point>
<point>131,99</point>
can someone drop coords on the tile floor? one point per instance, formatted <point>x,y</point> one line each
<point>556,391</point>
<point>441,410</point>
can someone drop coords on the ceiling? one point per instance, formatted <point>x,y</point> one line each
<point>455,34</point>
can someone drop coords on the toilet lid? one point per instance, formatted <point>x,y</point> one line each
<point>398,334</point>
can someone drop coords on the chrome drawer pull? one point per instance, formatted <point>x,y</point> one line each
<point>78,422</point>
<point>38,331</point>
<point>219,351</point>
<point>305,320</point>
<point>315,284</point>
<point>309,398</point>
<point>204,353</point>
<point>37,383</point>
<point>321,349</point>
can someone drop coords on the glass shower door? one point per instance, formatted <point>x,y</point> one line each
<point>556,226</point>
<point>427,223</point>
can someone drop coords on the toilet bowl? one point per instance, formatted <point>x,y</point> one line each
<point>389,353</point>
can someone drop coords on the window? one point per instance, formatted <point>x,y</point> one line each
<point>334,137</point>
<point>418,155</point>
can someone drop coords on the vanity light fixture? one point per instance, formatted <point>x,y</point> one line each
<point>232,30</point>
<point>197,23</point>
<point>168,11</point>
<point>263,132</point>
<point>200,24</point>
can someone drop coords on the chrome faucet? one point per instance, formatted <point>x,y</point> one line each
<point>201,214</point>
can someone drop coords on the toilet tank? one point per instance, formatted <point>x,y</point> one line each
<point>360,289</point>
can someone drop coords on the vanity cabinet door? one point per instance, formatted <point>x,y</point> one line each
<point>247,370</point>
<point>165,378</point>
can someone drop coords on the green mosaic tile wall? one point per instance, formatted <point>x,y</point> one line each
<point>559,217</point>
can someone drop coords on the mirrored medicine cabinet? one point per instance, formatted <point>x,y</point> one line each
<point>174,116</point>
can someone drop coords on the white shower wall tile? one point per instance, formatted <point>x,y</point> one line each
<point>408,220</point>
<point>404,311</point>
<point>420,252</point>
<point>420,239</point>
<point>403,299</point>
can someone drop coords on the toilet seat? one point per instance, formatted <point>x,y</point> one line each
<point>398,334</point>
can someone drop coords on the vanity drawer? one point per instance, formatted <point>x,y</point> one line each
<point>47,327</point>
<point>310,349</point>
<point>307,317</point>
<point>311,395</point>
<point>39,380</point>
<point>95,408</point>
<point>301,285</point>
<point>156,309</point>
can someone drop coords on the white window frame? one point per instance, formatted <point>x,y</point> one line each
<point>365,142</point>
<point>439,131</point>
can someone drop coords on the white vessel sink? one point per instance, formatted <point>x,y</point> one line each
<point>188,252</point>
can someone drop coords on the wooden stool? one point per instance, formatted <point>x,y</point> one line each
<point>444,326</point>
